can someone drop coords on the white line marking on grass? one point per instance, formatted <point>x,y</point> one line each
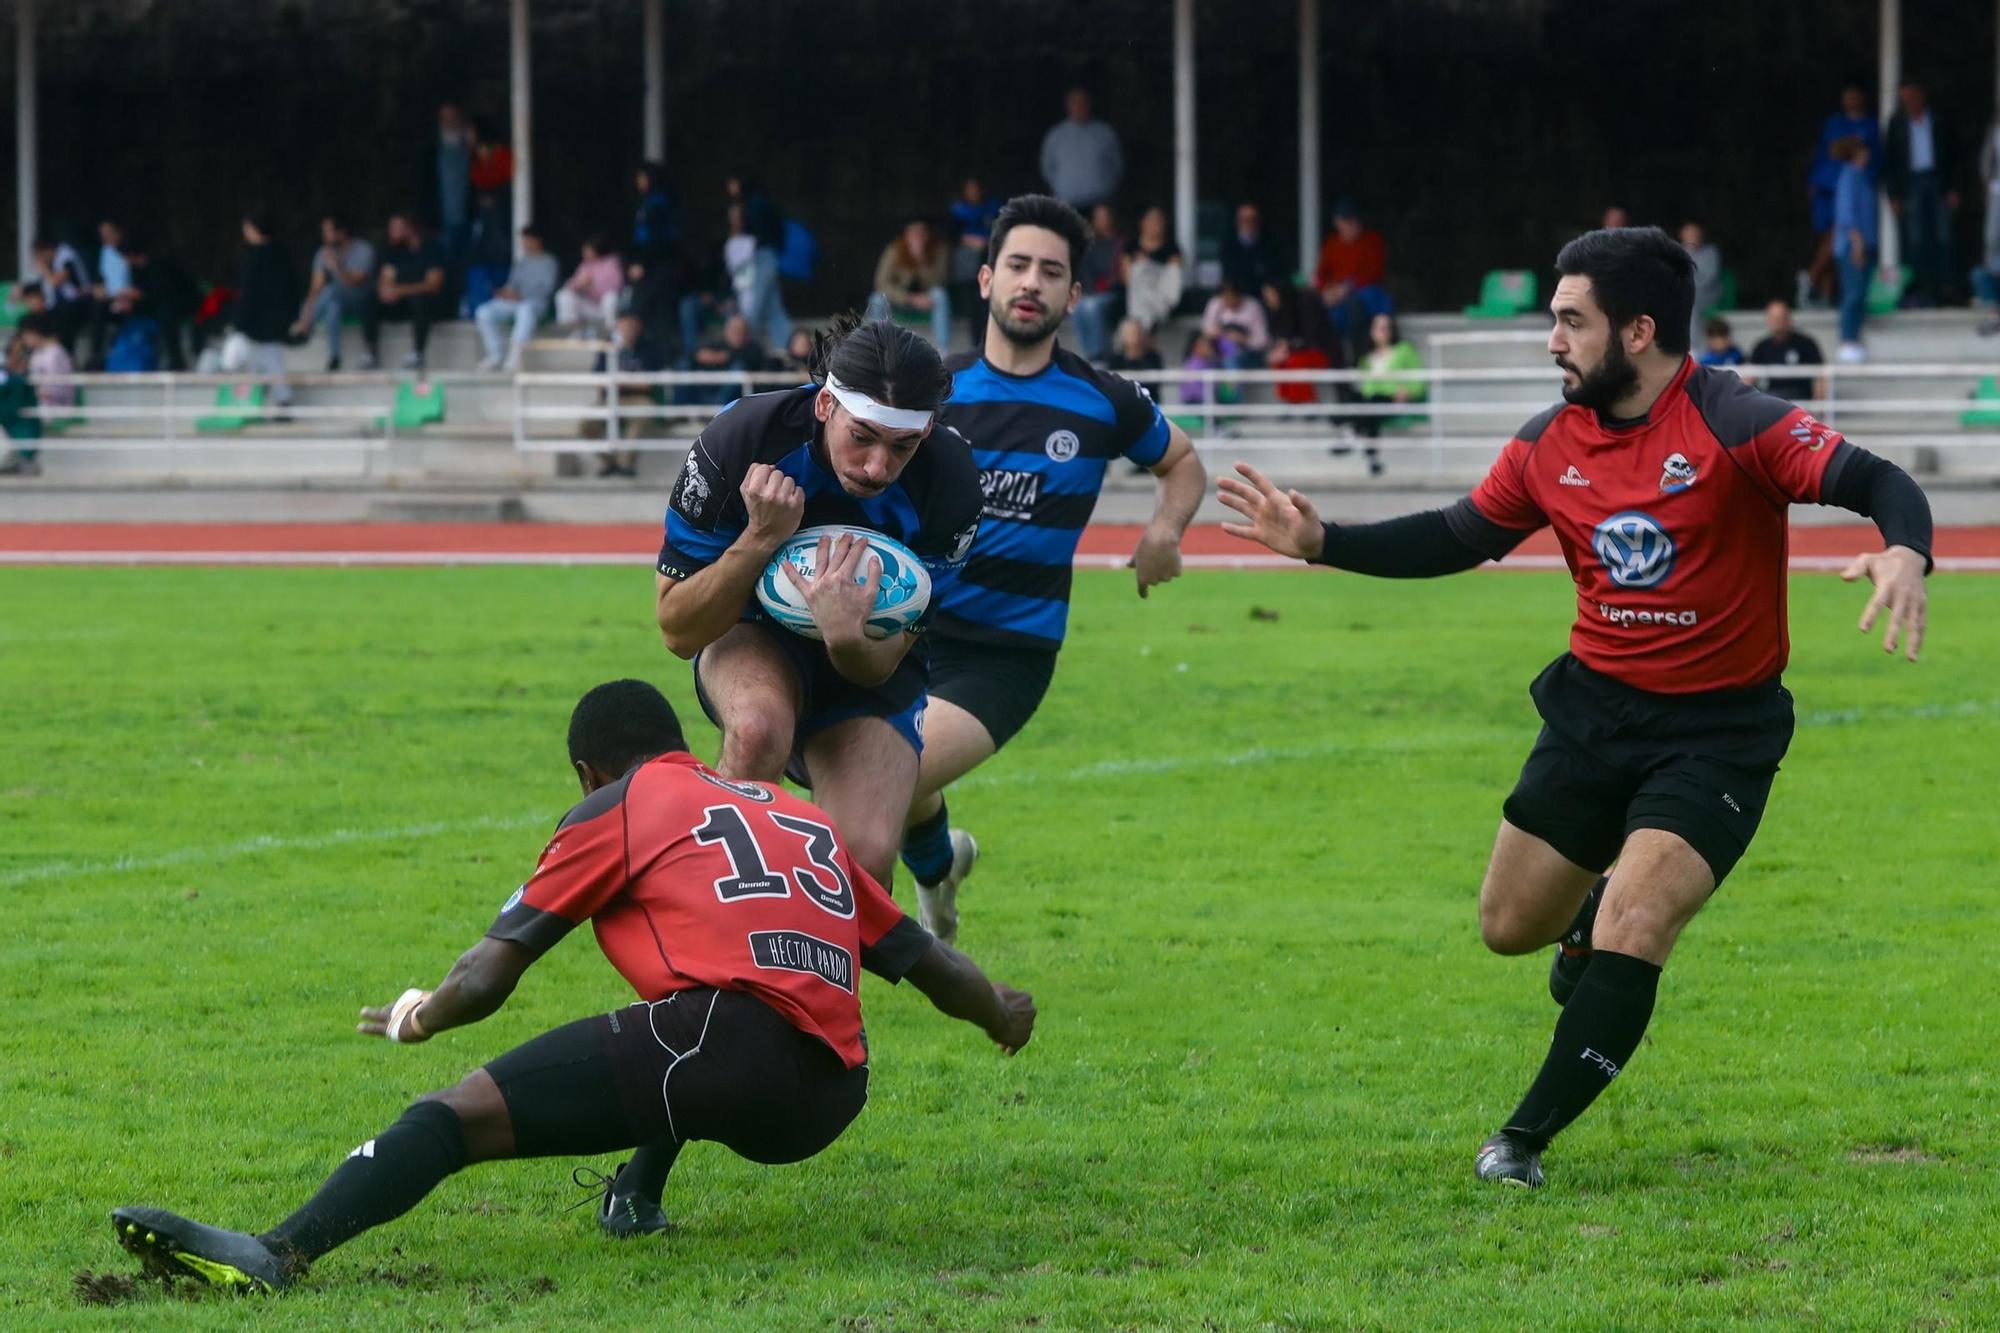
<point>1963,564</point>
<point>212,855</point>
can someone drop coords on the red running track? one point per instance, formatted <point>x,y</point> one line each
<point>1207,546</point>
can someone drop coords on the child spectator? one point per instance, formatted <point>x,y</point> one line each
<point>37,352</point>
<point>1719,348</point>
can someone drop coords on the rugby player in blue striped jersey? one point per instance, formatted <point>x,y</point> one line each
<point>1044,424</point>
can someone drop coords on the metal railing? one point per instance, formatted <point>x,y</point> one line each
<point>577,412</point>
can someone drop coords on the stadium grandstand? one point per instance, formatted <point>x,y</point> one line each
<point>523,433</point>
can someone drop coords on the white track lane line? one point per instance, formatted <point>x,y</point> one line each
<point>1963,564</point>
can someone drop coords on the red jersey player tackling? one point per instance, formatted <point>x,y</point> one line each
<point>1667,486</point>
<point>738,916</point>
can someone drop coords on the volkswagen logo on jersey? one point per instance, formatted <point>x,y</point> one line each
<point>1062,445</point>
<point>1634,549</point>
<point>1676,474</point>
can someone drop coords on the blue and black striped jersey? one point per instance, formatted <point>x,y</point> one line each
<point>932,508</point>
<point>1042,443</point>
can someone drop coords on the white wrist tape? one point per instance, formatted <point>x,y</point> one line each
<point>399,1012</point>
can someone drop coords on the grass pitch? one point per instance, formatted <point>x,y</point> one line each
<point>1234,857</point>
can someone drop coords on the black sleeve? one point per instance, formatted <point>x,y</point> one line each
<point>1418,546</point>
<point>892,956</point>
<point>1873,487</point>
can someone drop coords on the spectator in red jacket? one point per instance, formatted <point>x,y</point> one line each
<point>1353,264</point>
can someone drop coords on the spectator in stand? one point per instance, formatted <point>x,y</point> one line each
<point>972,215</point>
<point>163,293</point>
<point>1851,120</point>
<point>1155,275</point>
<point>1082,160</point>
<point>1353,266</point>
<point>342,284</point>
<point>1707,274</point>
<point>411,286</point>
<point>1615,216</point>
<point>452,158</point>
<point>761,300</point>
<point>1103,293</point>
<point>1920,167</point>
<point>491,170</point>
<point>17,395</point>
<point>589,300</point>
<point>1203,353</point>
<point>1718,345</point>
<point>739,260</point>
<point>1241,332</point>
<point>1300,320</point>
<point>656,226</point>
<point>114,279</point>
<point>1133,354</point>
<point>1856,237</point>
<point>1246,252</point>
<point>1388,358</point>
<point>909,281</point>
<point>267,298</point>
<point>48,361</point>
<point>1986,276</point>
<point>737,351</point>
<point>798,352</point>
<point>64,283</point>
<point>635,354</point>
<point>1783,345</point>
<point>522,301</point>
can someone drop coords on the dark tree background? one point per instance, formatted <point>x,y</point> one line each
<point>1475,133</point>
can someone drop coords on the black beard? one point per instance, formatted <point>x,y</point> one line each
<point>1613,378</point>
<point>1018,332</point>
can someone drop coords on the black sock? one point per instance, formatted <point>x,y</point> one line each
<point>927,848</point>
<point>1599,1029</point>
<point>380,1181</point>
<point>646,1174</point>
<point>1577,935</point>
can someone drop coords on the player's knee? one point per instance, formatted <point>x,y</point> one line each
<point>1641,929</point>
<point>1507,930</point>
<point>481,1112</point>
<point>757,746</point>
<point>875,849</point>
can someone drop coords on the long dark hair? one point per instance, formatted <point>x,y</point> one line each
<point>882,359</point>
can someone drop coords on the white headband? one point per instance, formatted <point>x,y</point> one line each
<point>861,405</point>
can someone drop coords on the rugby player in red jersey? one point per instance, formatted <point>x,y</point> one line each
<point>739,917</point>
<point>1667,484</point>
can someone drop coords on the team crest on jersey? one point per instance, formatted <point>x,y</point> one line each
<point>1811,433</point>
<point>1062,445</point>
<point>1634,549</point>
<point>1676,474</point>
<point>748,790</point>
<point>695,492</point>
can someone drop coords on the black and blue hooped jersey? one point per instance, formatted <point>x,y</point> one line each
<point>1042,443</point>
<point>932,507</point>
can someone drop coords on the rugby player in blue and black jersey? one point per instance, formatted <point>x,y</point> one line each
<point>1043,424</point>
<point>855,447</point>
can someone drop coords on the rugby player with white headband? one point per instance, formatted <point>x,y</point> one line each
<point>856,447</point>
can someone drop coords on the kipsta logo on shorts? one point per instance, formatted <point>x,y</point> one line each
<point>1676,474</point>
<point>1634,549</point>
<point>1062,445</point>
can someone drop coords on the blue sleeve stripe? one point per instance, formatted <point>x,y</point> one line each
<point>1038,616</point>
<point>1151,447</point>
<point>686,538</point>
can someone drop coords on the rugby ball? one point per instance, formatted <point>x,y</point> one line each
<point>903,597</point>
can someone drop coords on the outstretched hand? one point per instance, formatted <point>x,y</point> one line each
<point>1898,576</point>
<point>395,1021</point>
<point>1282,520</point>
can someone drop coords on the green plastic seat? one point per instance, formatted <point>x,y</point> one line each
<point>417,405</point>
<point>1505,293</point>
<point>235,405</point>
<point>1885,289</point>
<point>1726,295</point>
<point>11,309</point>
<point>1985,410</point>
